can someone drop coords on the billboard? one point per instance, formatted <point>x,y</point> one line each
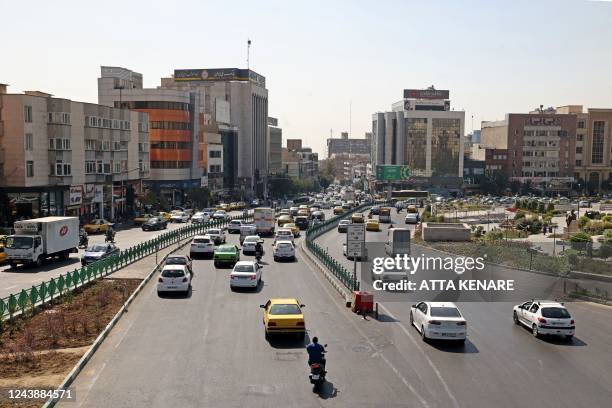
<point>392,172</point>
<point>219,74</point>
<point>426,93</point>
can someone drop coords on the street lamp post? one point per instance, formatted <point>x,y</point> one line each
<point>121,173</point>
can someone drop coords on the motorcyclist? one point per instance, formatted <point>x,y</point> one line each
<point>315,352</point>
<point>258,249</point>
<point>110,234</point>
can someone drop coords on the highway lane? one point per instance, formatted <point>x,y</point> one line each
<point>502,364</point>
<point>14,280</point>
<point>209,350</point>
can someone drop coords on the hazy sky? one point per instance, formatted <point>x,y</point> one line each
<point>319,57</point>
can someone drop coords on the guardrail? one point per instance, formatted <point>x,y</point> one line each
<point>339,271</point>
<point>29,299</point>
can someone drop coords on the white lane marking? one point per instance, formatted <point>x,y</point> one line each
<point>429,361</point>
<point>11,287</point>
<point>363,335</point>
<point>125,333</point>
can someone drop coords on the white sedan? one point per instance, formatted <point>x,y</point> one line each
<point>217,235</point>
<point>284,250</point>
<point>200,218</point>
<point>174,278</point>
<point>246,274</point>
<point>545,317</point>
<point>438,320</point>
<point>179,216</point>
<point>220,215</point>
<point>202,245</point>
<point>250,243</point>
<point>283,234</point>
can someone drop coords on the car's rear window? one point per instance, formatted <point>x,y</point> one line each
<point>214,231</point>
<point>555,313</point>
<point>284,245</point>
<point>176,261</point>
<point>172,273</point>
<point>243,268</point>
<point>201,240</point>
<point>97,248</point>
<point>285,310</point>
<point>445,312</point>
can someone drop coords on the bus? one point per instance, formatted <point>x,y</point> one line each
<point>384,215</point>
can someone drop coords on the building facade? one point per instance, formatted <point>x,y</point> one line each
<point>246,98</point>
<point>593,165</point>
<point>540,147</point>
<point>423,134</point>
<point>61,157</point>
<point>173,130</point>
<point>275,149</point>
<point>348,146</point>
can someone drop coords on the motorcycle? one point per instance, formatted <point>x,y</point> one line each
<point>110,237</point>
<point>258,256</point>
<point>317,374</point>
<point>83,240</point>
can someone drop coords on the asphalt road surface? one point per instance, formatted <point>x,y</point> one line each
<point>501,364</point>
<point>23,277</point>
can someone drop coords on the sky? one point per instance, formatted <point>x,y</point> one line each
<point>329,65</point>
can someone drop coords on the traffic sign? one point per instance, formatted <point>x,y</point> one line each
<point>387,172</point>
<point>355,240</point>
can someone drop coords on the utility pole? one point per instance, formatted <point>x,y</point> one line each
<point>248,54</point>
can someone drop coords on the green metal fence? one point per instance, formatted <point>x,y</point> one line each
<point>28,299</point>
<point>335,267</point>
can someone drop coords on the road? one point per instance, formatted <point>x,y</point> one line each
<point>501,364</point>
<point>14,280</point>
<point>208,350</point>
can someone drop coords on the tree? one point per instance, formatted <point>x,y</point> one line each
<point>199,196</point>
<point>515,186</point>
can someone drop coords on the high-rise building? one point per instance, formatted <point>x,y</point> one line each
<point>61,157</point>
<point>275,137</point>
<point>422,132</point>
<point>344,145</point>
<point>173,135</point>
<point>243,94</point>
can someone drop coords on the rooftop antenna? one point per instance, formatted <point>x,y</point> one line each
<point>248,53</point>
<point>350,118</point>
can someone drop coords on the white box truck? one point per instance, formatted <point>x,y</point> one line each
<point>398,243</point>
<point>42,238</point>
<point>263,218</point>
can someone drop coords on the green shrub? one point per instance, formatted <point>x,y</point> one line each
<point>594,227</point>
<point>580,237</point>
<point>607,236</point>
<point>494,235</point>
<point>550,208</point>
<point>520,214</point>
<point>607,218</point>
<point>583,220</point>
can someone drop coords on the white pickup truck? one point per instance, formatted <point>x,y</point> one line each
<point>42,238</point>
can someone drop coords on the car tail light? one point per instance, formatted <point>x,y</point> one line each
<point>299,324</point>
<point>461,323</point>
<point>161,280</point>
<point>253,277</point>
<point>184,279</point>
<point>572,322</point>
<point>271,323</point>
<point>541,320</point>
<point>434,322</point>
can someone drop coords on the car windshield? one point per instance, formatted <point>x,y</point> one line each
<point>172,273</point>
<point>176,260</point>
<point>153,221</point>
<point>19,242</point>
<point>244,268</point>
<point>555,313</point>
<point>97,248</point>
<point>285,310</point>
<point>445,312</point>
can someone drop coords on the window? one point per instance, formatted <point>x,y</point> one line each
<point>66,144</point>
<point>117,167</point>
<point>214,168</point>
<point>580,124</point>
<point>90,144</point>
<point>579,163</point>
<point>106,145</point>
<point>30,168</point>
<point>579,150</point>
<point>62,169</point>
<point>214,153</point>
<point>107,168</point>
<point>598,142</point>
<point>29,141</point>
<point>100,169</point>
<point>579,138</point>
<point>27,114</point>
<point>90,167</point>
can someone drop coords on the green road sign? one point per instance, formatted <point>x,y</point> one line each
<point>392,172</point>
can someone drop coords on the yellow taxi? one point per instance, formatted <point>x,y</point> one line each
<point>97,226</point>
<point>2,254</point>
<point>283,316</point>
<point>303,212</point>
<point>166,216</point>
<point>357,218</point>
<point>372,225</point>
<point>412,209</point>
<point>240,205</point>
<point>338,210</point>
<point>284,219</point>
<point>294,228</point>
<point>141,219</point>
